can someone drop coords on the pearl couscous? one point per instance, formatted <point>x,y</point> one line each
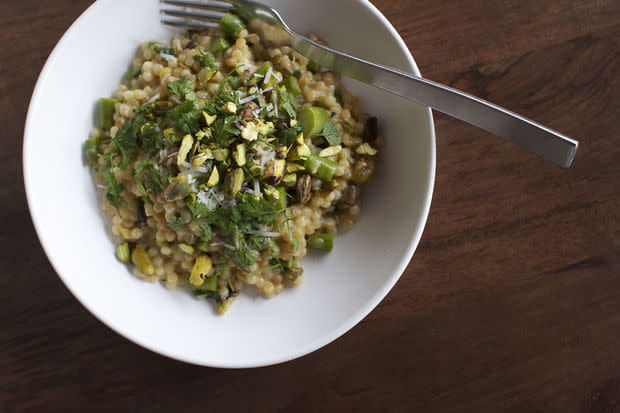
<point>222,160</point>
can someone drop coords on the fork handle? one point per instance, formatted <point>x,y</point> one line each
<point>536,138</point>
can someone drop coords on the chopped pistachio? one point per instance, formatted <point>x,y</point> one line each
<point>294,167</point>
<point>184,149</point>
<point>220,154</point>
<point>177,189</point>
<point>265,128</point>
<point>290,178</point>
<point>204,133</point>
<point>198,159</point>
<point>209,119</point>
<point>170,135</point>
<point>281,151</point>
<point>214,178</point>
<point>229,107</point>
<point>304,186</point>
<point>271,192</point>
<point>255,169</point>
<point>303,151</point>
<point>201,157</point>
<point>249,131</point>
<point>202,246</point>
<point>365,149</point>
<point>300,139</point>
<point>224,305</point>
<point>331,151</point>
<point>274,171</point>
<point>195,147</point>
<point>202,266</point>
<point>205,75</point>
<point>143,261</point>
<point>350,195</point>
<point>362,170</point>
<point>239,154</point>
<point>186,248</point>
<point>247,113</point>
<point>233,182</point>
<point>267,83</point>
<point>124,253</point>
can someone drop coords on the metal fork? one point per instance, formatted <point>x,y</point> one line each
<point>526,133</point>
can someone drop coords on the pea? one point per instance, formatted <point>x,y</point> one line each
<point>321,241</point>
<point>141,258</point>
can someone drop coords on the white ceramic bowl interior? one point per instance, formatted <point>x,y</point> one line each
<point>339,288</point>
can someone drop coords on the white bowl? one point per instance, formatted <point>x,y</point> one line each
<point>339,289</point>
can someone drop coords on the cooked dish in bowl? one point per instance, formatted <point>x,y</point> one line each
<point>223,159</point>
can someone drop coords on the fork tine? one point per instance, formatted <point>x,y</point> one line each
<point>187,25</point>
<point>205,17</point>
<point>221,7</point>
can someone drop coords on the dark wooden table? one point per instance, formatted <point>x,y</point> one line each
<point>511,303</point>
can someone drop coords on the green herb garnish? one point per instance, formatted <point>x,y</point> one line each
<point>206,59</point>
<point>177,223</point>
<point>224,131</point>
<point>148,177</point>
<point>113,189</point>
<point>186,117</point>
<point>330,133</point>
<point>288,103</point>
<point>125,140</point>
<point>164,50</point>
<point>287,222</point>
<point>182,88</point>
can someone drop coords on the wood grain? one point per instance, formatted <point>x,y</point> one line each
<point>511,303</point>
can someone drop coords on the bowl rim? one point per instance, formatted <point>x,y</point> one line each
<point>346,325</point>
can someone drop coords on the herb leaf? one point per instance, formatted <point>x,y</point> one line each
<point>225,92</point>
<point>113,189</point>
<point>186,117</point>
<point>225,220</point>
<point>206,59</point>
<point>256,211</point>
<point>224,131</point>
<point>288,103</point>
<point>125,140</point>
<point>182,88</point>
<point>287,222</point>
<point>330,133</point>
<point>199,211</point>
<point>287,136</point>
<point>244,257</point>
<point>153,179</point>
<point>177,223</point>
<point>258,242</point>
<point>151,135</point>
<point>164,50</point>
<point>204,228</point>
